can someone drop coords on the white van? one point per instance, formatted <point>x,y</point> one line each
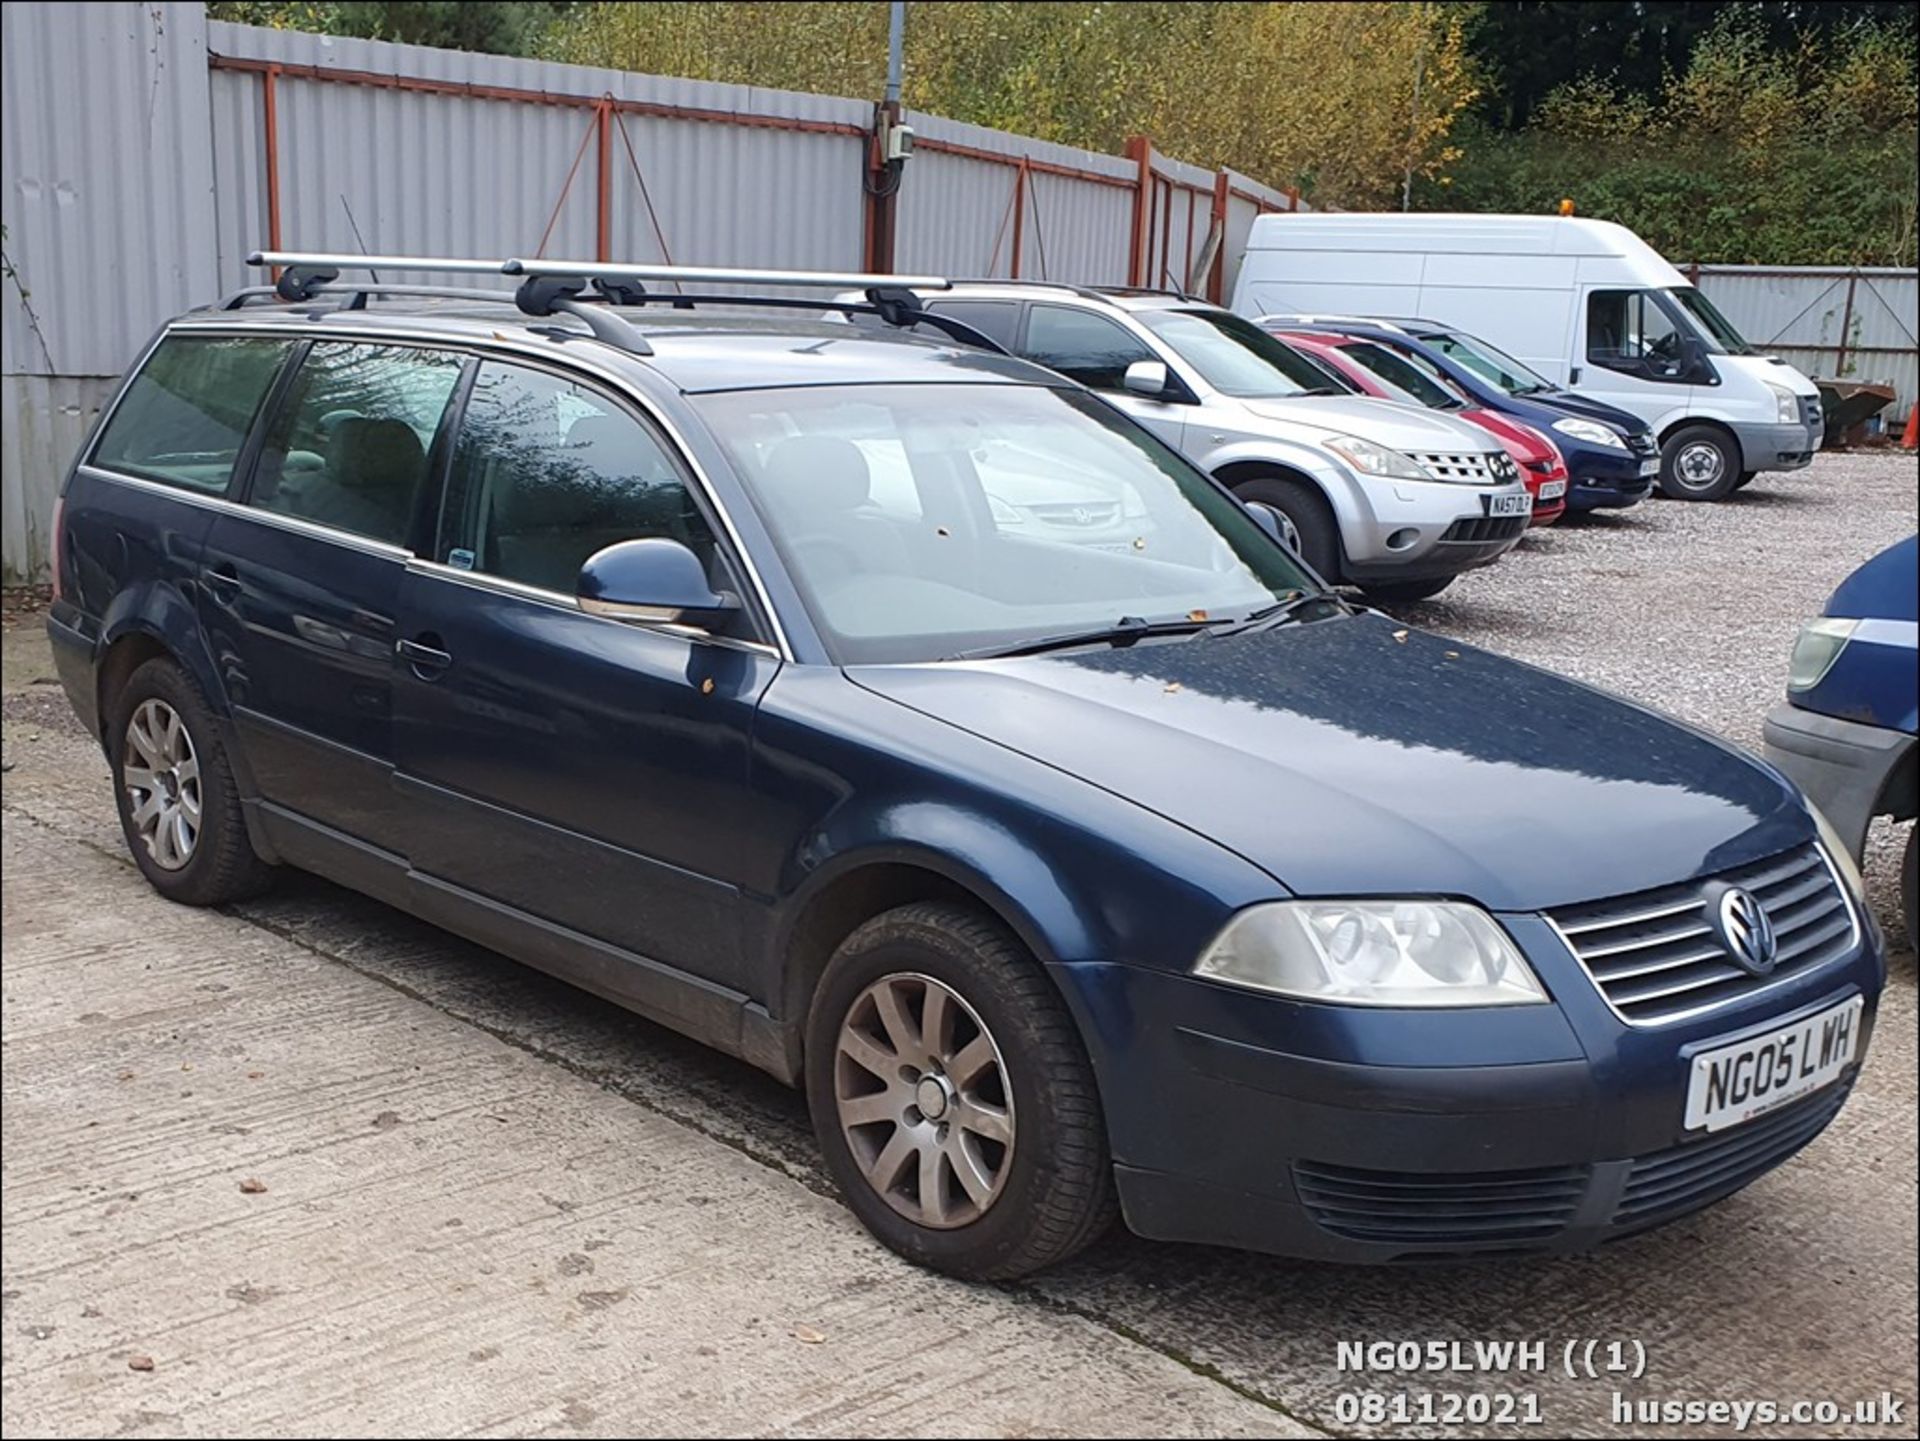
<point>1585,302</point>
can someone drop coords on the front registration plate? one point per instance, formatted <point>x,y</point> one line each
<point>1553,490</point>
<point>1521,504</point>
<point>1650,467</point>
<point>1739,1082</point>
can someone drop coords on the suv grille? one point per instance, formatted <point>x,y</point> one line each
<point>1491,468</point>
<point>1472,1208</point>
<point>1656,958</point>
<point>1486,528</point>
<point>1692,1174</point>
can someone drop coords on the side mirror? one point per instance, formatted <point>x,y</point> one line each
<point>655,580</point>
<point>1275,524</point>
<point>1146,377</point>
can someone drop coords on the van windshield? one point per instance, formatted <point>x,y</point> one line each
<point>1716,330</point>
<point>1490,364</point>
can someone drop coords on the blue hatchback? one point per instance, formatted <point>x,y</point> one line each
<point>1613,459</point>
<point>906,720</point>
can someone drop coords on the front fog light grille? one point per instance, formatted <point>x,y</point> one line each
<point>1474,1208</point>
<point>1696,1174</point>
<point>1487,528</point>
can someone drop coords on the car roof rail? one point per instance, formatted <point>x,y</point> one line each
<point>550,287</point>
<point>355,297</point>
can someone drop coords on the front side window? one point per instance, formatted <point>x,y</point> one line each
<point>547,471</point>
<point>1717,333</point>
<point>187,413</point>
<point>1083,346</point>
<point>918,522</point>
<point>1628,330</point>
<point>1237,357</point>
<point>349,446</point>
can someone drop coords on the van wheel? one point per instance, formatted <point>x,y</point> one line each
<point>953,1098</point>
<point>178,805</point>
<point>1405,590</point>
<point>1304,512</point>
<point>1699,462</point>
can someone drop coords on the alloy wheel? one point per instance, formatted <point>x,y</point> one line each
<point>161,774</point>
<point>923,1099</point>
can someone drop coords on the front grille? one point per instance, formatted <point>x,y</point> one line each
<point>1701,1171</point>
<point>1490,468</point>
<point>1075,513</point>
<point>1487,528</point>
<point>1811,412</point>
<point>1469,1209</point>
<point>1656,958</point>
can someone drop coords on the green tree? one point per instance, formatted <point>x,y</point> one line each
<point>494,26</point>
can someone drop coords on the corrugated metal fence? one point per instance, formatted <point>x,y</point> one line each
<point>1828,321</point>
<point>148,150</point>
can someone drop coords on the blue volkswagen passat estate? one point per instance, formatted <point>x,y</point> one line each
<point>721,665</point>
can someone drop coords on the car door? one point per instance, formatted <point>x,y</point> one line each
<point>588,774</point>
<point>1096,350</point>
<point>298,588</point>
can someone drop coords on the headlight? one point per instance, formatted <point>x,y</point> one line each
<point>1785,403</point>
<point>1370,459</point>
<point>1842,859</point>
<point>1591,431</point>
<point>1372,953</point>
<point>1818,647</point>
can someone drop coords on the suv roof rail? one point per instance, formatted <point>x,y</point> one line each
<point>550,287</point>
<point>358,295</point>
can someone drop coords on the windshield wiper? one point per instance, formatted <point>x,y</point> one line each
<point>1123,632</point>
<point>1280,612</point>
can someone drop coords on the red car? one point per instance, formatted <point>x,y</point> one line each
<point>1388,375</point>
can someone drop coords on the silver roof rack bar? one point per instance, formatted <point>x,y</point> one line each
<point>322,260</point>
<point>723,275</point>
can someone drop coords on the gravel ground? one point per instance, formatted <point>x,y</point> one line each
<point>1694,608</point>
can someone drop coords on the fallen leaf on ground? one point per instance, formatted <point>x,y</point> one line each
<point>253,1187</point>
<point>139,1363</point>
<point>808,1336</point>
<point>255,1075</point>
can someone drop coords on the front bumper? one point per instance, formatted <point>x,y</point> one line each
<point>1779,447</point>
<point>1609,481</point>
<point>1403,530</point>
<point>1364,1135</point>
<point>1842,765</point>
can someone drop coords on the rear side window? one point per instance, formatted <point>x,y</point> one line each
<point>546,472</point>
<point>349,446</point>
<point>187,413</point>
<point>995,319</point>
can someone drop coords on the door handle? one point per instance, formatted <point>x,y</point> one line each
<point>222,581</point>
<point>426,661</point>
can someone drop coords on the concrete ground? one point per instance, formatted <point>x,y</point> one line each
<point>492,1204</point>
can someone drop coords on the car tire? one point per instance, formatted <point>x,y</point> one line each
<point>179,808</point>
<point>1699,462</point>
<point>1307,511</point>
<point>1405,590</point>
<point>1910,889</point>
<point>1004,1090</point>
<point>1745,480</point>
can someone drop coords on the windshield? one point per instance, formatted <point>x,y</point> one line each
<point>1238,358</point>
<point>920,521</point>
<point>1493,366</point>
<point>1405,374</point>
<point>1717,331</point>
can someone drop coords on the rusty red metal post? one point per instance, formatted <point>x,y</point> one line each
<point>270,143</point>
<point>1140,151</point>
<point>1846,324</point>
<point>1217,271</point>
<point>603,215</point>
<point>1019,213</point>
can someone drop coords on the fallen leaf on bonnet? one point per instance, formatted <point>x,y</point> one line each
<point>1172,686</point>
<point>1400,636</point>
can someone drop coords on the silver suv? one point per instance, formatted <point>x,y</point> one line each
<point>1394,500</point>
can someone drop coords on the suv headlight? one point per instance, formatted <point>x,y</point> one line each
<point>1370,459</point>
<point>1591,431</point>
<point>1372,953</point>
<point>1786,404</point>
<point>1818,647</point>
